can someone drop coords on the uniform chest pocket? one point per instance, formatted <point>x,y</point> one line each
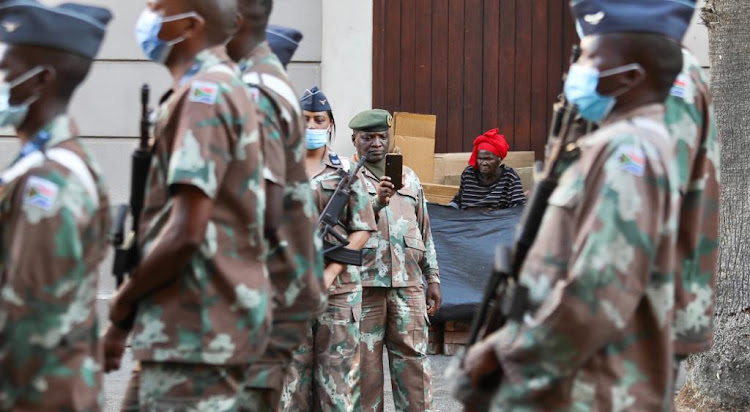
<point>567,195</point>
<point>414,243</point>
<point>330,184</point>
<point>413,254</point>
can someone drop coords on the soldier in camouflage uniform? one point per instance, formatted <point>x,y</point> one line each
<point>603,261</point>
<point>325,370</point>
<point>394,308</point>
<point>692,123</point>
<point>54,213</point>
<point>296,262</point>
<point>201,292</point>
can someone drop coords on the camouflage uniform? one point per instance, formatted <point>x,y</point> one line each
<point>296,264</point>
<point>393,302</point>
<point>54,218</point>
<point>601,280</point>
<point>691,122</point>
<point>216,315</point>
<point>325,370</point>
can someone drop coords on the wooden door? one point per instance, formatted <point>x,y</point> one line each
<point>476,64</point>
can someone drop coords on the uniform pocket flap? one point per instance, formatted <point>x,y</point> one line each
<point>414,243</point>
<point>356,313</point>
<point>567,194</point>
<point>408,192</point>
<point>330,184</point>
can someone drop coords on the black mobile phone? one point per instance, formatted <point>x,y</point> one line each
<point>394,168</point>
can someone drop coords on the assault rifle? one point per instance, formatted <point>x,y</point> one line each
<point>504,298</point>
<point>127,254</point>
<point>338,252</point>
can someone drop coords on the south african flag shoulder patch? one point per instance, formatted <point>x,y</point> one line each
<point>632,160</point>
<point>204,92</point>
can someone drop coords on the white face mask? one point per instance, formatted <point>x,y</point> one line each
<point>14,116</point>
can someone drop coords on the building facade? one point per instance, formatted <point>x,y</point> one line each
<point>336,53</point>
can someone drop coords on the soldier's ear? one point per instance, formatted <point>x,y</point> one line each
<point>197,24</point>
<point>239,20</point>
<point>633,78</point>
<point>48,75</point>
<point>46,78</point>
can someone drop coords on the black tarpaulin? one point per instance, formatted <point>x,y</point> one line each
<point>465,242</point>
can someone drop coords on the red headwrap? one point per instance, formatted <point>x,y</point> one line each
<point>491,141</point>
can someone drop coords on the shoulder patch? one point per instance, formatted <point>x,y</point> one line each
<point>40,192</point>
<point>254,93</point>
<point>679,87</point>
<point>335,159</point>
<point>632,160</point>
<point>204,92</point>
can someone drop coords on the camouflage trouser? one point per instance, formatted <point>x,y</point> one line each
<point>181,387</point>
<point>48,382</point>
<point>395,317</point>
<point>324,375</point>
<point>268,372</point>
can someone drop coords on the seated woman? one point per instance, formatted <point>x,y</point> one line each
<point>487,183</point>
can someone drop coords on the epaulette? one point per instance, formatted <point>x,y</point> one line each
<point>334,159</point>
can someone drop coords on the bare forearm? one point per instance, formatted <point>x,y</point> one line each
<point>357,241</point>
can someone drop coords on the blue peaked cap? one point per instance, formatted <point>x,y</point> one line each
<point>315,101</point>
<point>73,28</point>
<point>668,17</point>
<point>283,41</point>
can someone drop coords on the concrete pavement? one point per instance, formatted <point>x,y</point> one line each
<point>116,383</point>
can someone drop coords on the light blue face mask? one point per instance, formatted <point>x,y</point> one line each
<point>147,33</point>
<point>14,116</point>
<point>316,138</point>
<point>581,85</point>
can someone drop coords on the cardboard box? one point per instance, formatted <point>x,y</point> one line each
<point>414,134</point>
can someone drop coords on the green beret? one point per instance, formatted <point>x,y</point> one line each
<point>376,120</point>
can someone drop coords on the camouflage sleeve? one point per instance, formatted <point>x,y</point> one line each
<point>204,135</point>
<point>377,206</point>
<point>591,266</point>
<point>274,156</point>
<point>428,263</point>
<point>48,294</point>
<point>691,121</point>
<point>361,214</point>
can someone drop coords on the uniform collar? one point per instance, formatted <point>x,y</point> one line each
<point>204,61</point>
<point>60,129</point>
<point>366,172</point>
<point>653,110</point>
<point>261,52</point>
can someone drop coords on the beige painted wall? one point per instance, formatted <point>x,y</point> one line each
<point>107,104</point>
<point>347,63</point>
<point>696,38</point>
